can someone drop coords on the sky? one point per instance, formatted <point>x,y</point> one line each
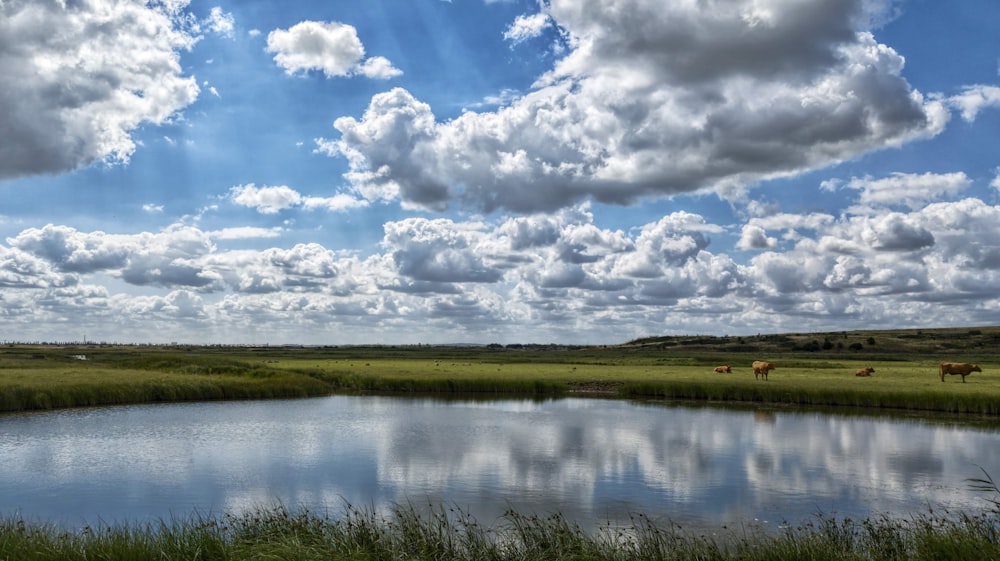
<point>326,172</point>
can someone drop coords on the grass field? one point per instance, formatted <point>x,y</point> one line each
<point>812,369</point>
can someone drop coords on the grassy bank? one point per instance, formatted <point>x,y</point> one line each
<point>446,534</point>
<point>901,384</point>
<point>812,370</point>
<point>47,378</point>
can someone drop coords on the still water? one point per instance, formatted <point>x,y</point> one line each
<point>593,460</point>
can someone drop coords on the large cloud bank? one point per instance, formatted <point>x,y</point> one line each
<point>80,77</point>
<point>539,277</point>
<point>651,99</point>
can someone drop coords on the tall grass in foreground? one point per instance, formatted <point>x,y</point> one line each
<point>450,534</point>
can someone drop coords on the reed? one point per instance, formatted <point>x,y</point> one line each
<point>59,383</point>
<point>445,534</point>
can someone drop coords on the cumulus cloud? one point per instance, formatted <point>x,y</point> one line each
<point>80,78</point>
<point>165,258</point>
<point>330,47</point>
<point>526,27</point>
<point>907,189</point>
<point>755,237</point>
<point>535,277</point>
<point>790,224</point>
<point>267,200</point>
<point>439,251</point>
<point>274,199</point>
<point>896,232</point>
<point>974,99</point>
<point>652,100</point>
<point>378,67</point>
<point>222,23</point>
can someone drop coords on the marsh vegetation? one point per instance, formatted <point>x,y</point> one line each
<point>815,369</point>
<point>448,534</point>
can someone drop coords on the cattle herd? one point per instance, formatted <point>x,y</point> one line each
<point>761,368</point>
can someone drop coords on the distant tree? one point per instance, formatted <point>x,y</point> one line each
<point>856,346</point>
<point>871,341</point>
<point>827,345</point>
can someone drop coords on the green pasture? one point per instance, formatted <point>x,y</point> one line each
<point>913,385</point>
<point>46,377</point>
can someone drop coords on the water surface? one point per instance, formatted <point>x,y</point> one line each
<point>593,460</point>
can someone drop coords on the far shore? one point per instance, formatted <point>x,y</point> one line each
<point>811,370</point>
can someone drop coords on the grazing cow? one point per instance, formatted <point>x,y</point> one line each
<point>724,369</point>
<point>866,371</point>
<point>962,369</point>
<point>761,368</point>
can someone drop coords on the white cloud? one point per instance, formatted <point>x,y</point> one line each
<point>526,27</point>
<point>911,190</point>
<point>331,47</point>
<point>245,233</point>
<point>652,100</point>
<point>337,203</point>
<point>755,237</point>
<point>378,67</point>
<point>83,77</point>
<point>896,232</point>
<point>274,199</point>
<point>974,99</point>
<point>539,277</point>
<point>221,22</point>
<point>878,13</point>
<point>166,258</point>
<point>265,199</point>
<point>152,208</point>
<point>662,247</point>
<point>505,97</point>
<point>390,130</point>
<point>793,227</point>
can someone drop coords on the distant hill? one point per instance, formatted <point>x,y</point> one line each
<point>957,342</point>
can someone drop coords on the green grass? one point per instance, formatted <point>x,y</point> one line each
<point>907,385</point>
<point>445,534</point>
<point>812,370</point>
<point>53,379</point>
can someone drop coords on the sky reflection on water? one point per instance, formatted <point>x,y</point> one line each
<point>592,460</point>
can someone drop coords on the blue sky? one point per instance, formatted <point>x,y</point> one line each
<point>574,171</point>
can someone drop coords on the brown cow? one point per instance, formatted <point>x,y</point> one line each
<point>962,369</point>
<point>724,369</point>
<point>866,371</point>
<point>761,368</point>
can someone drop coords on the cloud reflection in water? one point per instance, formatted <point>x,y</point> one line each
<point>592,460</point>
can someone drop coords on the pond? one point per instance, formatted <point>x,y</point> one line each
<point>593,460</point>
